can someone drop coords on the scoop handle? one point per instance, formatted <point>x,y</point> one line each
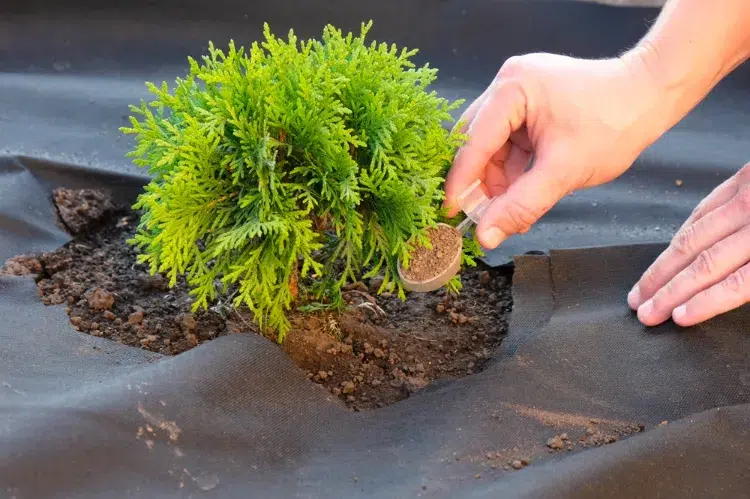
<point>465,225</point>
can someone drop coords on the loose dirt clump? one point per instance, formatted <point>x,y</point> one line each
<point>21,265</point>
<point>375,352</point>
<point>427,263</point>
<point>81,210</point>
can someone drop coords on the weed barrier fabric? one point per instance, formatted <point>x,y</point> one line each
<point>83,417</point>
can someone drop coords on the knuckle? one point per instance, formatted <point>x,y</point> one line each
<point>684,241</point>
<point>511,66</point>
<point>736,282</point>
<point>698,212</point>
<point>704,264</point>
<point>521,217</point>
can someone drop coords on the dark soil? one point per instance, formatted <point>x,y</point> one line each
<point>376,352</point>
<point>428,263</point>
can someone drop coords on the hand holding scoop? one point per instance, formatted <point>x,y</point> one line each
<point>431,269</point>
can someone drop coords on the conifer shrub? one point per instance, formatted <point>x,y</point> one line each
<point>284,172</point>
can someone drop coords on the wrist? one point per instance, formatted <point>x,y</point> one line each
<point>689,50</point>
<point>655,91</point>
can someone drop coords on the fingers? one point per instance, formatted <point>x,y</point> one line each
<point>719,196</point>
<point>712,266</point>
<point>522,205</point>
<point>688,243</point>
<point>729,294</point>
<point>501,113</point>
<point>470,113</point>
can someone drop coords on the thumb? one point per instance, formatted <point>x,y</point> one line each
<point>522,205</point>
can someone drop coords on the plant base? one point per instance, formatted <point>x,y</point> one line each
<point>376,352</point>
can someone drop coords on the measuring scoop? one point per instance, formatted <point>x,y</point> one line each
<point>473,202</point>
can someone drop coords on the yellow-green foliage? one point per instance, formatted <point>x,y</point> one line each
<point>292,159</point>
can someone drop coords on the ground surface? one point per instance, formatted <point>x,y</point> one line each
<point>375,353</point>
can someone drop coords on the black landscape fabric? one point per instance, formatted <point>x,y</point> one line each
<point>235,417</point>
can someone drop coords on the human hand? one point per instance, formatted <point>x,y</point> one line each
<point>705,271</point>
<point>585,121</point>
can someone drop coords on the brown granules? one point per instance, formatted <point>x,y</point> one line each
<point>425,263</point>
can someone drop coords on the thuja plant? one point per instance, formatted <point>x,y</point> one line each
<point>284,172</point>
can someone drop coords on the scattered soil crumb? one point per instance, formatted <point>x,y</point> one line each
<point>427,263</point>
<point>561,419</point>
<point>596,431</point>
<point>168,426</point>
<point>556,442</point>
<point>376,352</point>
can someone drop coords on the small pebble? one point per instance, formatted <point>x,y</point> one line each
<point>555,443</point>
<point>186,322</point>
<point>101,300</point>
<point>136,317</point>
<point>678,183</point>
<point>516,464</point>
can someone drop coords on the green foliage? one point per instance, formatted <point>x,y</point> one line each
<point>296,163</point>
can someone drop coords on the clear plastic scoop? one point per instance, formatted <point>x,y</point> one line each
<point>473,202</point>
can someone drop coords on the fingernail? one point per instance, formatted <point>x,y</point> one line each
<point>679,313</point>
<point>493,236</point>
<point>634,297</point>
<point>645,310</point>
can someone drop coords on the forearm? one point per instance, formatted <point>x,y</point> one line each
<point>691,47</point>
